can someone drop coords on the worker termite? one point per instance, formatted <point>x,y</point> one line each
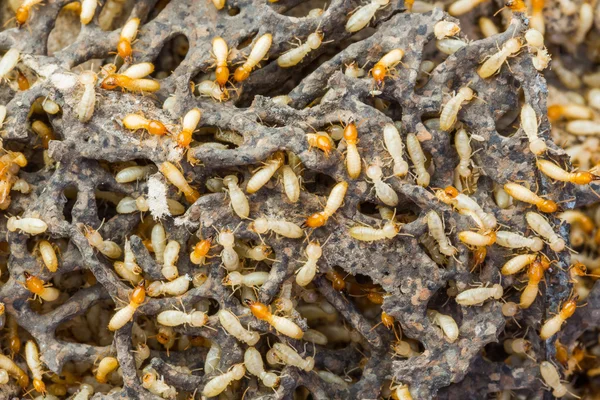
<point>48,255</point>
<point>535,273</point>
<point>576,217</point>
<point>444,29</point>
<point>436,230</point>
<point>13,369</point>
<point>212,89</point>
<point>264,174</point>
<point>477,239</point>
<point>175,176</point>
<point>176,287</point>
<point>463,148</point>
<point>476,296</point>
<point>523,194</point>
<point>198,254</point>
<point>125,314</point>
<point>394,146</point>
<point>239,201</point>
<point>281,227</point>
<point>363,15</point>
<point>221,52</point>
<point>281,324</point>
<point>109,248</point>
<point>127,36</point>
<point>158,238</point>
<point>416,154</point>
<point>353,162</point>
<point>171,254</point>
<point>453,106</point>
<point>136,122</point>
<point>291,183</point>
<point>446,322</point>
<point>402,391</point>
<point>252,279</point>
<point>569,111</point>
<point>85,107</point>
<point>386,65</point>
<point>583,127</point>
<point>88,9</point>
<point>32,357</point>
<point>219,383</point>
<point>131,174</point>
<point>45,133</point>
<point>229,257</point>
<point>552,379</point>
<point>40,289</point>
<point>555,172</point>
<point>334,202</point>
<point>513,240</point>
<point>542,227</point>
<point>467,206</point>
<point>450,46</point>
<point>176,318</point>
<point>151,381</point>
<point>254,365</point>
<point>529,124</point>
<point>233,326</point>
<point>383,191</point>
<point>8,62</point>
<point>128,205</point>
<point>296,55</point>
<point>259,51</point>
<point>289,356</point>
<point>368,234</point>
<point>493,64</point>
<point>553,325</point>
<point>306,273</point>
<point>32,226</point>
<point>105,367</point>
<point>354,71</point>
<point>190,122</point>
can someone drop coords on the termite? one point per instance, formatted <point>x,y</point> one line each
<point>213,357</point>
<point>212,89</point>
<point>320,140</point>
<point>332,378</point>
<point>256,253</point>
<point>263,175</point>
<point>510,309</point>
<point>353,162</point>
<point>233,326</point>
<point>239,201</point>
<point>306,273</point>
<point>402,391</point>
<point>151,381</point>
<point>476,296</point>
<point>385,65</point>
<point>32,226</point>
<point>136,122</point>
<point>552,379</point>
<point>252,279</point>
<point>176,287</point>
<point>281,227</point>
<point>48,255</point>
<point>535,273</point>
<point>125,314</point>
<point>8,62</point>
<point>289,356</point>
<point>254,365</point>
<point>230,259</point>
<point>529,124</point>
<point>176,318</point>
<point>436,230</point>
<point>555,172</point>
<point>354,71</point>
<point>158,238</point>
<point>127,274</point>
<point>32,357</point>
<point>105,367</point>
<point>173,175</point>
<point>132,174</point>
<point>291,183</point>
<point>367,234</point>
<point>219,383</point>
<point>513,240</point>
<point>523,194</point>
<point>40,289</point>
<point>88,9</point>
<point>259,51</point>
<point>576,217</point>
<point>537,16</point>
<point>517,346</point>
<point>334,202</point>
<point>132,84</point>
<point>446,322</point>
<point>128,205</point>
<point>444,29</point>
<point>281,324</point>
<point>109,248</point>
<point>542,227</point>
<point>363,15</point>
<point>493,64</point>
<point>557,112</point>
<point>13,369</point>
<point>85,392</point>
<point>22,13</point>
<point>190,122</point>
<point>171,254</point>
<point>45,132</point>
<point>477,239</point>
<point>128,34</point>
<point>23,83</point>
<point>583,127</point>
<point>453,106</point>
<point>463,148</point>
<point>487,27</point>
<point>201,249</point>
<point>450,46</point>
<point>294,56</point>
<point>553,325</point>
<point>383,191</point>
<point>413,146</point>
<point>460,7</point>
<point>394,146</point>
<point>85,107</point>
<point>467,206</point>
<point>221,52</point>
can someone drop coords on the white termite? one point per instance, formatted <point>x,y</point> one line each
<point>158,237</point>
<point>279,226</point>
<point>436,230</point>
<point>394,146</point>
<point>156,385</point>
<point>517,263</point>
<point>463,148</point>
<point>88,9</point>
<point>85,107</point>
<point>460,7</point>
<point>32,358</point>
<point>232,325</point>
<point>252,279</point>
<point>176,318</point>
<point>413,146</point>
<point>383,191</point>
<point>219,383</point>
<point>291,183</point>
<point>176,287</point>
<point>444,29</point>
<point>259,51</point>
<point>476,296</point>
<point>446,322</point>
<point>230,259</point>
<point>32,226</point>
<point>514,240</point>
<point>254,365</point>
<point>239,201</point>
<point>493,64</point>
<point>306,273</point>
<point>542,227</point>
<point>170,257</point>
<point>294,56</point>
<point>132,174</point>
<point>263,175</point>
<point>450,46</point>
<point>452,107</point>
<point>213,357</point>
<point>363,15</point>
<point>8,62</point>
<point>529,124</point>
<point>368,234</point>
<point>289,356</point>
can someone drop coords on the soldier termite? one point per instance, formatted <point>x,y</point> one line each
<point>467,206</point>
<point>363,15</point>
<point>130,84</point>
<point>294,56</point>
<point>221,52</point>
<point>413,146</point>
<point>553,325</point>
<point>190,122</point>
<point>173,175</point>
<point>394,146</point>
<point>233,326</point>
<point>239,201</point>
<point>383,191</point>
<point>320,140</point>
<point>453,106</point>
<point>385,66</point>
<point>555,172</point>
<point>22,13</point>
<point>436,230</point>
<point>493,64</point>
<point>525,195</point>
<point>259,51</point>
<point>334,202</point>
<point>40,289</point>
<point>476,296</point>
<point>125,314</point>
<point>264,174</point>
<point>281,324</point>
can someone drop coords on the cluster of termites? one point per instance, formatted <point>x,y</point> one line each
<point>209,291</point>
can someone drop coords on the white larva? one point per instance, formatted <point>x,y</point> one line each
<point>170,257</point>
<point>296,55</point>
<point>289,356</point>
<point>476,296</point>
<point>158,237</point>
<point>449,46</point>
<point>233,326</point>
<point>132,174</point>
<point>453,106</point>
<point>262,176</point>
<point>361,17</point>
<point>367,234</point>
<point>383,191</point>
<point>239,201</point>
<point>394,146</point>
<point>176,318</point>
<point>85,107</point>
<point>306,273</point>
<point>48,255</point>
<point>291,183</point>
<point>176,287</point>
<point>254,365</point>
<point>436,230</point>
<point>32,226</point>
<point>213,357</point>
<point>413,146</point>
<point>446,322</point>
<point>541,226</point>
<point>281,227</point>
<point>444,29</point>
<point>514,240</point>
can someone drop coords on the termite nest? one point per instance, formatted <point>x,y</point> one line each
<point>295,200</point>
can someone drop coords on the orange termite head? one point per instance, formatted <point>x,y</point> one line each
<point>337,281</point>
<point>241,74</point>
<point>33,283</point>
<point>184,138</point>
<point>582,178</point>
<point>387,320</point>
<point>156,128</point>
<point>139,293</point>
<point>379,72</point>
<point>568,308</point>
<point>110,82</point>
<point>14,344</point>
<point>23,380</point>
<point>351,133</point>
<point>22,15</point>
<point>451,191</point>
<point>547,206</point>
<point>555,112</point>
<point>544,262</point>
<point>535,272</point>
<point>479,255</point>
<point>124,49</point>
<point>22,81</point>
<point>537,5</point>
<point>163,337</point>
<point>562,355</point>
<point>222,74</point>
<point>578,269</point>
<point>375,298</point>
<point>39,386</point>
<point>202,247</point>
<point>323,143</point>
<point>199,341</point>
<point>259,310</point>
<point>316,220</point>
<point>517,5</point>
<point>492,236</point>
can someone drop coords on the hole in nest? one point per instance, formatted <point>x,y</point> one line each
<point>310,8</point>
<point>368,208</point>
<point>390,108</point>
<point>70,193</point>
<point>319,184</point>
<point>431,248</point>
<point>106,203</point>
<point>66,27</point>
<point>90,328</point>
<point>171,55</point>
<point>214,136</point>
<point>157,9</point>
<point>233,11</point>
<point>508,119</point>
<point>115,13</point>
<point>246,41</point>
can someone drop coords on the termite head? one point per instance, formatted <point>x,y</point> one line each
<point>547,206</point>
<point>387,320</point>
<point>578,269</point>
<point>230,180</point>
<point>260,225</point>
<point>241,74</point>
<point>314,40</point>
<point>316,220</point>
<point>226,238</point>
<point>516,6</point>
<point>238,371</point>
<point>337,280</point>
<point>351,133</point>
<point>582,178</point>
<point>467,93</point>
<point>139,293</point>
<point>22,15</point>
<point>379,72</point>
<point>390,229</point>
<point>148,379</point>
<point>124,48</point>
<point>87,78</point>
<point>157,128</point>
<point>374,172</point>
<point>233,279</point>
<point>324,144</point>
<point>198,319</point>
<point>202,247</point>
<point>498,291</point>
<point>451,191</point>
<point>479,256</point>
<point>109,83</point>
<point>568,308</point>
<point>33,283</point>
<point>259,310</point>
<point>39,386</point>
<point>375,297</point>
<point>535,272</point>
<point>313,250</point>
<point>513,45</point>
